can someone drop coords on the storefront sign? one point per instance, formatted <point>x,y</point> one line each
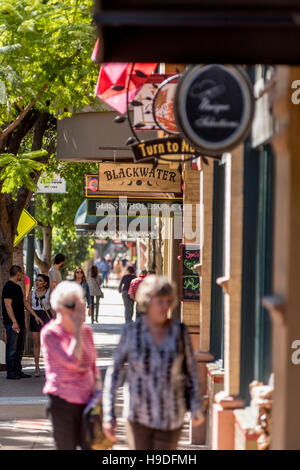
<point>160,100</point>
<point>160,147</point>
<point>190,281</point>
<point>138,177</point>
<point>214,107</point>
<point>124,207</point>
<point>57,185</point>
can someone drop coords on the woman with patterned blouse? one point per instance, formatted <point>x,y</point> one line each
<point>162,382</point>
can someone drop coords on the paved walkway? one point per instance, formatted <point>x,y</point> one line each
<point>26,432</point>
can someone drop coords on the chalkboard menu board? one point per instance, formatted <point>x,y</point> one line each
<point>190,280</point>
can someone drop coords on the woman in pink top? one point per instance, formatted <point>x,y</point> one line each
<point>72,377</point>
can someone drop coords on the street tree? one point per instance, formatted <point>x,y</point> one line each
<point>46,71</point>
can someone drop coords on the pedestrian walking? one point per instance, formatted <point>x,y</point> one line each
<point>161,373</point>
<point>13,314</point>
<point>27,284</point>
<point>94,281</point>
<point>123,289</point>
<point>132,291</point>
<point>39,300</point>
<point>54,272</point>
<point>118,267</point>
<point>104,269</point>
<point>80,278</point>
<point>72,377</point>
<point>124,262</point>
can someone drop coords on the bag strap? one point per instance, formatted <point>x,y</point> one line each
<point>42,305</point>
<point>99,285</point>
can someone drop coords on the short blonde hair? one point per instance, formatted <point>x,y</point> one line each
<point>65,293</point>
<point>154,286</point>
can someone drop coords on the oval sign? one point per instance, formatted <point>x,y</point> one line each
<point>214,107</point>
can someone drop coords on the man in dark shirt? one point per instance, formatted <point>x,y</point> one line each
<point>14,322</point>
<point>123,288</point>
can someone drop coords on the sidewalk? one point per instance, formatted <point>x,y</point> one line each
<point>23,425</point>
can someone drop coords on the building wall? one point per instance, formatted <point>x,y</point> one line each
<point>191,219</point>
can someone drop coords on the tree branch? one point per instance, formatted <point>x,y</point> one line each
<point>21,116</point>
<point>14,124</point>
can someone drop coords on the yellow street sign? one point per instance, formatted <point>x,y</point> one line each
<point>25,225</point>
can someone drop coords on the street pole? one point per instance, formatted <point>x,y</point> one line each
<point>30,246</point>
<point>30,272</point>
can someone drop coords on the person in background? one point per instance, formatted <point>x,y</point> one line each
<point>118,267</point>
<point>104,269</point>
<point>151,272</point>
<point>54,272</point>
<point>123,289</point>
<point>80,278</point>
<point>27,285</point>
<point>39,300</point>
<point>134,287</point>
<point>161,372</point>
<point>94,282</point>
<point>14,321</point>
<point>72,377</point>
<point>124,262</point>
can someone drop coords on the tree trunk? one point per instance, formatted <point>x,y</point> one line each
<point>18,259</point>
<point>11,210</point>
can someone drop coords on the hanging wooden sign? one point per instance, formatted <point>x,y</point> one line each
<point>138,178</point>
<point>164,146</point>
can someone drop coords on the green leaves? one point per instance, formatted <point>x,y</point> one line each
<point>45,43</point>
<point>16,170</point>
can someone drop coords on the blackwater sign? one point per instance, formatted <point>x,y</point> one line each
<point>189,276</point>
<point>214,107</point>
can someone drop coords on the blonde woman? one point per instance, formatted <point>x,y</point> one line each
<point>161,373</point>
<point>72,377</point>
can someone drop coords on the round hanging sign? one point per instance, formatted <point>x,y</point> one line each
<point>214,107</point>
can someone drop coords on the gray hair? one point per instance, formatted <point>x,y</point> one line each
<point>65,293</point>
<point>154,286</point>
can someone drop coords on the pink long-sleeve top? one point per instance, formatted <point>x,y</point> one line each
<point>66,376</point>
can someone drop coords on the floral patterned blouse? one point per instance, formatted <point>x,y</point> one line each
<point>162,381</point>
